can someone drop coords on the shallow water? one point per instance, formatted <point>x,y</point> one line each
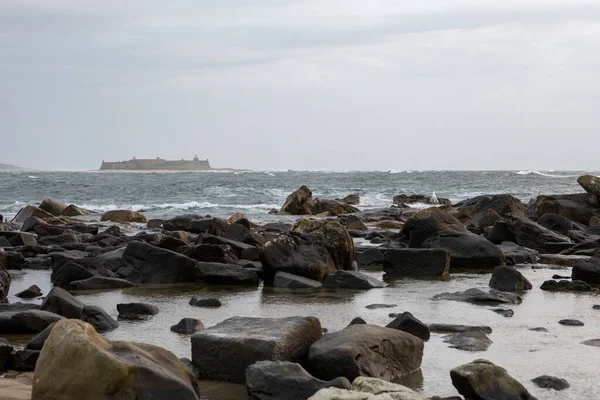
<point>525,354</point>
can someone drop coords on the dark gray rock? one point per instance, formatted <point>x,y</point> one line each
<point>23,360</point>
<point>450,328</point>
<point>469,341</point>
<point>467,250</point>
<point>25,322</point>
<point>101,282</point>
<point>284,380</point>
<point>516,254</point>
<point>592,342</point>
<point>187,326</point>
<point>508,279</point>
<point>365,350</point>
<point>212,253</point>
<point>559,224</point>
<point>98,318</point>
<point>482,380</point>
<point>539,329</point>
<point>351,280</point>
<point>378,305</point>
<point>224,351</point>
<point>61,302</point>
<point>430,223</point>
<point>369,257</point>
<point>551,382</point>
<point>529,234</point>
<point>478,296</point>
<point>571,322</point>
<point>37,342</point>
<point>417,262</point>
<point>408,323</point>
<point>291,281</point>
<point>135,309</point>
<point>565,286</point>
<point>587,271</point>
<point>31,292</point>
<point>580,207</point>
<point>5,353</point>
<point>505,312</point>
<point>204,301</point>
<point>224,274</point>
<point>354,223</point>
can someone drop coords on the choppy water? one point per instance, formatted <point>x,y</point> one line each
<point>255,193</point>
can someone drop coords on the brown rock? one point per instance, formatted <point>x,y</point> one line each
<point>121,216</point>
<point>53,207</point>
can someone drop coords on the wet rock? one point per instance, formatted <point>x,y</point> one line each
<point>482,221</point>
<point>301,202</point>
<point>478,296</point>
<point>551,382</point>
<point>31,292</point>
<point>364,388</point>
<point>225,274</point>
<point>590,184</point>
<point>101,282</point>
<point>369,257</point>
<point>508,279</point>
<point>592,342</point>
<point>73,211</point>
<point>357,321</point>
<point>587,271</point>
<point>529,234</point>
<point>291,281</point>
<point>559,224</point>
<point>5,280</point>
<point>332,236</point>
<point>37,342</point>
<point>516,254</point>
<point>23,360</point>
<point>352,199</point>
<point>98,318</point>
<point>539,329</point>
<point>203,301</point>
<point>351,280</point>
<point>237,232</point>
<point>576,207</point>
<point>31,211</point>
<point>562,260</point>
<point>409,200</point>
<point>482,380</point>
<point>387,224</point>
<point>502,204</point>
<point>212,253</point>
<point>354,223</point>
<point>556,276</point>
<point>430,223</point>
<point>469,341</point>
<point>24,322</point>
<point>224,351</point>
<point>53,207</point>
<point>187,326</point>
<point>122,216</point>
<point>365,350</point>
<point>467,250</point>
<point>505,312</point>
<point>450,328</point>
<point>4,241</point>
<point>417,262</point>
<point>19,238</point>
<point>571,322</point>
<point>378,306</point>
<point>566,286</point>
<point>284,380</point>
<point>77,363</point>
<point>596,307</point>
<point>134,310</point>
<point>408,323</point>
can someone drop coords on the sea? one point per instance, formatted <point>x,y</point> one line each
<point>255,193</point>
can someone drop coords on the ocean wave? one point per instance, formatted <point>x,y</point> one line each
<point>533,172</point>
<point>33,177</point>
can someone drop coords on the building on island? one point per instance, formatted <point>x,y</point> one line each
<point>157,164</point>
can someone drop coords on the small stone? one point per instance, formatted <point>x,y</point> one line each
<point>538,329</point>
<point>596,307</point>
<point>199,301</point>
<point>571,322</point>
<point>30,293</point>
<point>505,312</point>
<point>551,382</point>
<point>377,305</point>
<point>357,321</point>
<point>187,326</point>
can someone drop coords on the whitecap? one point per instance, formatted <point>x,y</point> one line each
<point>33,177</point>
<point>534,172</point>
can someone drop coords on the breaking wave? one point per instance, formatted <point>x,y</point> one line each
<point>533,172</point>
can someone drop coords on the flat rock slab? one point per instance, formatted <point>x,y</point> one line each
<point>377,306</point>
<point>351,280</point>
<point>224,351</point>
<point>478,296</point>
<point>449,328</point>
<point>551,382</point>
<point>592,342</point>
<point>285,280</point>
<point>469,341</point>
<point>101,282</point>
<point>30,321</point>
<point>565,286</point>
<point>205,301</point>
<point>417,262</point>
<point>571,322</point>
<point>561,259</point>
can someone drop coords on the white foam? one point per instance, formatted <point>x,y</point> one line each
<point>533,172</point>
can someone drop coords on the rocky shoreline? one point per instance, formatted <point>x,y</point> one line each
<point>329,247</point>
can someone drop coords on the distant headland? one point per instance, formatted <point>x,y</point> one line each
<point>157,164</point>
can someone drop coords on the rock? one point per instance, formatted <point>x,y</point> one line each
<point>101,282</point>
<point>5,280</point>
<point>291,281</point>
<point>388,224</point>
<point>351,280</point>
<point>502,204</point>
<point>237,232</point>
<point>483,220</point>
<point>98,318</point>
<point>558,223</point>
<point>53,207</point>
<point>467,250</point>
<point>77,363</point>
<point>408,323</point>
<point>561,259</point>
<point>225,274</point>
<point>354,223</point>
<point>4,241</point>
<point>587,271</point>
<point>565,286</point>
<point>505,312</point>
<point>571,322</point>
<point>590,184</point>
<point>301,202</point>
<point>73,211</point>
<point>592,342</point>
<point>187,326</point>
<point>478,296</point>
<point>515,254</point>
<point>31,292</point>
<point>410,200</point>
<point>23,360</point>
<point>332,236</point>
<point>31,211</point>
<point>551,382</point>
<point>202,301</point>
<point>121,216</point>
<point>365,350</point>
<point>224,351</point>
<point>508,279</point>
<point>364,388</point>
<point>281,380</point>
<point>576,207</point>
<point>357,321</point>
<point>377,306</point>
<point>529,234</point>
<point>469,341</point>
<point>5,351</point>
<point>61,302</point>
<point>212,253</point>
<point>37,342</point>
<point>482,380</point>
<point>20,238</point>
<point>369,257</point>
<point>352,199</point>
<point>128,310</point>
<point>450,328</point>
<point>429,223</point>
<point>26,322</point>
<point>417,262</point>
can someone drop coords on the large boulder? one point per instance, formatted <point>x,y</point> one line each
<point>332,236</point>
<point>365,350</point>
<point>502,204</point>
<point>73,211</point>
<point>576,207</point>
<point>508,279</point>
<point>430,223</point>
<point>31,211</point>
<point>478,296</point>
<point>467,250</point>
<point>482,380</point>
<point>301,202</point>
<point>590,184</point>
<point>587,271</point>
<point>151,264</point>
<point>284,380</point>
<point>559,224</point>
<point>78,363</point>
<point>351,280</point>
<point>53,207</point>
<point>101,282</point>
<point>417,262</point>
<point>224,351</point>
<point>515,254</point>
<point>61,302</point>
<point>26,321</point>
<point>122,216</point>
<point>225,274</point>
<point>408,323</point>
<point>364,388</point>
<point>529,234</point>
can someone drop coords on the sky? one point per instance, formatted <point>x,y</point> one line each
<point>312,84</point>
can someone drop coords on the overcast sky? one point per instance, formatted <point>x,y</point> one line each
<point>323,84</point>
